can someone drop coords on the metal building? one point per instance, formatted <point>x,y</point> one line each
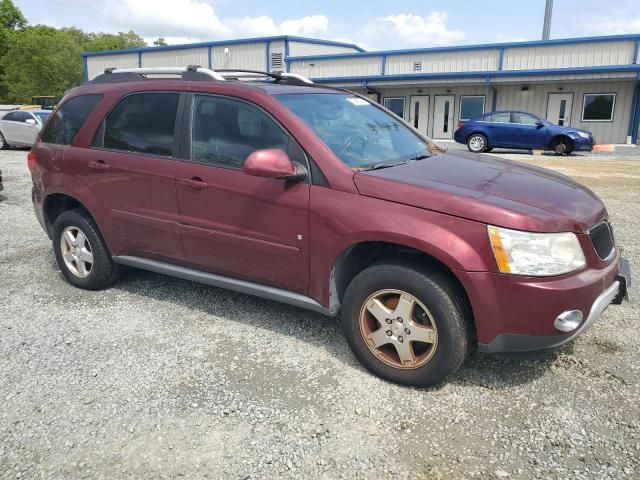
<point>591,83</point>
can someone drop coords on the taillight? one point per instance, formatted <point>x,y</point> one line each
<point>31,161</point>
<point>460,124</point>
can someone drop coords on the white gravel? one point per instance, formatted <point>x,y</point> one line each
<point>162,378</point>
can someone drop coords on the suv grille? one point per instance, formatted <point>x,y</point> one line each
<point>602,239</point>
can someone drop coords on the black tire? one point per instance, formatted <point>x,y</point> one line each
<point>3,142</point>
<point>437,293</point>
<point>477,143</point>
<point>562,146</point>
<point>103,271</point>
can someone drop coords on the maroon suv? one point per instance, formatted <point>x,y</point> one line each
<point>269,185</point>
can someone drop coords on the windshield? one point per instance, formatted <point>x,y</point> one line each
<point>359,133</point>
<point>42,115</point>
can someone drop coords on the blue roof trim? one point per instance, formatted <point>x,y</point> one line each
<point>460,48</point>
<point>481,74</point>
<point>315,41</point>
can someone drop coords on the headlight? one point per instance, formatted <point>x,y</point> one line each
<point>535,254</point>
<point>583,134</point>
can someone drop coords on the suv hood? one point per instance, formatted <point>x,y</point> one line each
<point>488,190</point>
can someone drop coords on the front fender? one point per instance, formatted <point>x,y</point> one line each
<point>340,220</point>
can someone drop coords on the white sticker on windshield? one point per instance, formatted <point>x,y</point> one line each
<point>358,101</point>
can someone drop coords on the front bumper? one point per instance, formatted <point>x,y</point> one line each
<point>582,144</point>
<point>511,342</point>
<point>517,314</point>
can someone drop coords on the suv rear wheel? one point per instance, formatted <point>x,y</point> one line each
<point>81,253</point>
<point>406,325</point>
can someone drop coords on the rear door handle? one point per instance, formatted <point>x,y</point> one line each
<point>194,182</point>
<point>98,165</point>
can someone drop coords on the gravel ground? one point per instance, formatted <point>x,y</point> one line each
<point>163,378</point>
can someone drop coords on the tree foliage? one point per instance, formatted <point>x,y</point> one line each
<point>42,60</point>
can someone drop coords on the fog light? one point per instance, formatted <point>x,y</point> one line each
<point>568,321</point>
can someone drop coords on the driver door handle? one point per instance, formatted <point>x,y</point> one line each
<point>98,165</point>
<point>194,182</point>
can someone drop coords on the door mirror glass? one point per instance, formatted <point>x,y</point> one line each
<point>273,163</point>
<point>30,121</point>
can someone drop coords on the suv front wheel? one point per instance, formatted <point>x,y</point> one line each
<point>406,325</point>
<point>81,252</point>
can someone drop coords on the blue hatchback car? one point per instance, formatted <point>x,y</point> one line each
<point>520,130</point>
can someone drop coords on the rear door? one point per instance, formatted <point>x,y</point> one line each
<point>232,223</point>
<point>499,129</point>
<point>526,132</point>
<point>131,170</point>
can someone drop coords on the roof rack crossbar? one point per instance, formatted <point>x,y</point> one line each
<point>219,75</point>
<point>167,71</point>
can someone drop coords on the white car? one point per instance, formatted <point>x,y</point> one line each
<point>19,128</point>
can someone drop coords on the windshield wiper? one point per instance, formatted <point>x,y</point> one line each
<point>387,165</point>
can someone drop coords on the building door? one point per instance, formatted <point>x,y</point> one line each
<point>559,108</point>
<point>443,116</point>
<point>419,113</point>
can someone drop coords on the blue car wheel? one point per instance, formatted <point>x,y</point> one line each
<point>477,143</point>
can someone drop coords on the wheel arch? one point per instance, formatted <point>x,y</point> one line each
<point>479,132</point>
<point>361,255</point>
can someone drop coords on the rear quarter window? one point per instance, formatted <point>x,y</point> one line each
<point>69,118</point>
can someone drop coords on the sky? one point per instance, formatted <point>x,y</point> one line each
<point>374,24</point>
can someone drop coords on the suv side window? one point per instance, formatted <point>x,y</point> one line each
<point>225,131</point>
<point>67,120</point>
<point>142,123</point>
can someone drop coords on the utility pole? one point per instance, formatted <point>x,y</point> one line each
<point>546,29</point>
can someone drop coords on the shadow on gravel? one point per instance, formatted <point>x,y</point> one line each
<point>488,371</point>
<point>313,328</point>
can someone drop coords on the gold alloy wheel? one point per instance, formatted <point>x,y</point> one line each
<point>398,329</point>
<point>76,252</point>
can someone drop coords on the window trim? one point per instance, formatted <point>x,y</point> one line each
<point>177,129</point>
<point>187,137</point>
<point>484,104</point>
<point>404,105</point>
<point>613,106</point>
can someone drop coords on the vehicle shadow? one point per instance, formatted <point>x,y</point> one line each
<point>319,331</point>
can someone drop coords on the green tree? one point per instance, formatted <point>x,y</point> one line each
<point>109,41</point>
<point>40,60</point>
<point>160,42</point>
<point>11,17</point>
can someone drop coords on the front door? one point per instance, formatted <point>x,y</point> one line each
<point>419,113</point>
<point>232,223</point>
<point>559,108</point>
<point>443,116</point>
<point>527,132</point>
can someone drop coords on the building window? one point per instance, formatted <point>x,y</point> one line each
<point>396,105</point>
<point>471,106</point>
<point>598,107</point>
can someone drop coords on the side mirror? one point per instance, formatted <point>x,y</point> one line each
<point>30,121</point>
<point>273,163</point>
<point>539,124</point>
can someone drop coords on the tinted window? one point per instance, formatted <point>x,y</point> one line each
<point>17,116</point>
<point>226,131</point>
<point>524,118</point>
<point>500,117</point>
<point>598,106</point>
<point>471,107</point>
<point>143,123</point>
<point>68,119</point>
<point>396,105</point>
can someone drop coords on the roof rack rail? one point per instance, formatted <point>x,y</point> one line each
<point>196,72</point>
